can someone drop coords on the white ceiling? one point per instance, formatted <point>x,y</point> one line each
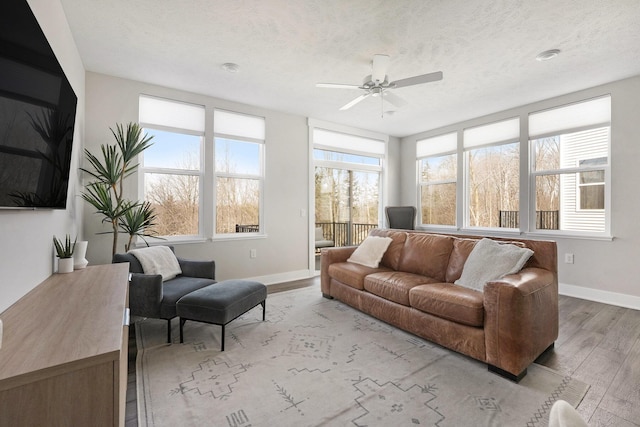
<point>485,48</point>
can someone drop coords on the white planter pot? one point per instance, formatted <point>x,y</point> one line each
<point>79,252</point>
<point>65,265</point>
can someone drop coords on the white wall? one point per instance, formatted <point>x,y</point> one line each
<point>604,271</point>
<point>26,248</point>
<point>283,253</point>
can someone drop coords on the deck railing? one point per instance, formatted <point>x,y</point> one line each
<point>545,220</point>
<point>345,233</point>
<point>247,228</point>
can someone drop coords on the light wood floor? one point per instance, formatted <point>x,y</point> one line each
<point>598,344</point>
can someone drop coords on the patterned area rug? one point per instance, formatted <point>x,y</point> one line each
<point>317,362</point>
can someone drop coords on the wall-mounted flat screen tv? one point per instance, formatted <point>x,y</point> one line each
<point>37,114</point>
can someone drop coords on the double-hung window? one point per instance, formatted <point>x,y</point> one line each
<point>570,169</point>
<point>172,166</point>
<point>492,160</point>
<point>239,172</point>
<point>437,169</point>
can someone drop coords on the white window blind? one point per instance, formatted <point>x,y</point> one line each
<point>242,125</point>
<point>570,117</point>
<point>503,131</point>
<point>338,140</point>
<point>437,145</point>
<point>172,114</point>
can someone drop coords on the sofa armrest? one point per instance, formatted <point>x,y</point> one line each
<point>201,269</point>
<point>145,294</point>
<point>521,318</point>
<point>330,256</point>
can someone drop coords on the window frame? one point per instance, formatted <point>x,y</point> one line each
<point>200,173</point>
<point>506,137</point>
<point>580,185</point>
<point>605,234</point>
<point>422,184</point>
<point>597,114</point>
<point>233,175</point>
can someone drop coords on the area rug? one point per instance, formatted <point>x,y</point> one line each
<point>318,362</point>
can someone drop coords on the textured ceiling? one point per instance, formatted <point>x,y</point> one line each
<point>485,48</point>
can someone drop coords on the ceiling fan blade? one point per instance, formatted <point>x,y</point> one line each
<point>379,68</point>
<point>354,102</point>
<point>416,80</point>
<point>394,99</point>
<point>337,86</point>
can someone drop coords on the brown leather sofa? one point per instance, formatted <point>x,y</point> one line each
<point>507,326</point>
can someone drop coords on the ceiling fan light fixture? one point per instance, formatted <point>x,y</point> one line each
<point>547,55</point>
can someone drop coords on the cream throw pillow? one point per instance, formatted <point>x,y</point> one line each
<point>490,260</point>
<point>370,251</point>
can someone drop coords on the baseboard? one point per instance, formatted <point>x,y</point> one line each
<point>597,295</point>
<point>288,276</point>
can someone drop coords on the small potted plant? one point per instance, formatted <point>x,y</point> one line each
<point>64,251</point>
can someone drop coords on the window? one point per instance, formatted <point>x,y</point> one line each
<point>172,167</point>
<point>492,154</point>
<point>438,179</point>
<point>570,166</point>
<point>347,185</point>
<point>239,172</point>
<point>591,185</point>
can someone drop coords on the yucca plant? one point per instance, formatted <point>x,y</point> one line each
<point>105,191</point>
<point>64,250</point>
<point>138,220</point>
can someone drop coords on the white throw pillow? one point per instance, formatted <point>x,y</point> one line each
<point>158,260</point>
<point>370,251</point>
<point>490,260</point>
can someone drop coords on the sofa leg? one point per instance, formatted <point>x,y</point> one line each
<point>327,296</point>
<point>169,331</point>
<point>507,375</point>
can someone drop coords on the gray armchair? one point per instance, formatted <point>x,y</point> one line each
<point>401,217</point>
<point>149,296</point>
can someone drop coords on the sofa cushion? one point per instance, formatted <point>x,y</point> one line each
<point>352,274</point>
<point>426,254</point>
<point>452,302</point>
<point>391,257</point>
<point>370,251</point>
<point>394,285</point>
<point>461,250</point>
<point>490,260</point>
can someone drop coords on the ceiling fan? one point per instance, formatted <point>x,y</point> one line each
<point>377,84</point>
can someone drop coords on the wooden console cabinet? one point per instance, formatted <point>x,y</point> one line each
<point>63,360</point>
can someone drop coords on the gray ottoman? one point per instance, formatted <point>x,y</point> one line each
<point>220,303</point>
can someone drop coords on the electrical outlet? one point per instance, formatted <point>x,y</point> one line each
<point>253,253</point>
<point>568,258</point>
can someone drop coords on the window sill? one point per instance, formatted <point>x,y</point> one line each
<point>564,235</point>
<point>238,236</point>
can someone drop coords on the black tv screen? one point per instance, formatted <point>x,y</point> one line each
<point>37,114</point>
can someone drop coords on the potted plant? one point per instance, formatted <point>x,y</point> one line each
<point>64,251</point>
<point>105,191</point>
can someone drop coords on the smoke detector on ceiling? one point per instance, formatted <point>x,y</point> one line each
<point>230,67</point>
<point>547,55</point>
